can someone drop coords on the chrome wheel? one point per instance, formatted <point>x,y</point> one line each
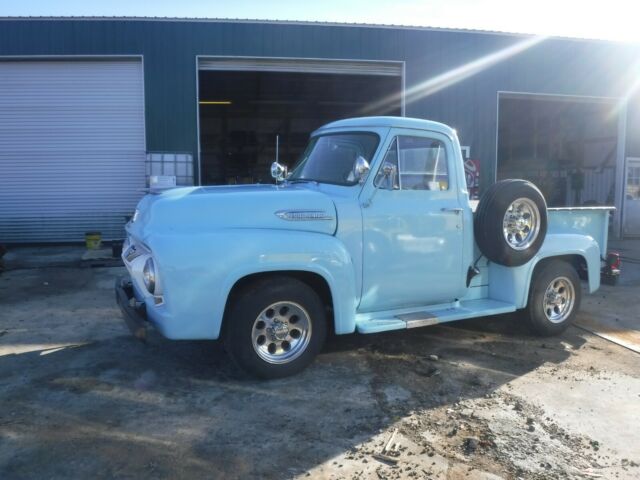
<point>281,332</point>
<point>559,299</point>
<point>521,224</point>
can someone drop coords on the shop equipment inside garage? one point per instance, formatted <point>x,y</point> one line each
<point>566,146</point>
<point>241,112</point>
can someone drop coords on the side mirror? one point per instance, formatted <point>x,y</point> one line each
<point>278,171</point>
<point>361,169</point>
<point>386,178</point>
<point>389,169</point>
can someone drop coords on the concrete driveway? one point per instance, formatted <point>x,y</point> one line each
<point>80,398</point>
<point>614,312</point>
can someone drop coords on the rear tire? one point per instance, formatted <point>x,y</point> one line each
<point>275,327</point>
<point>554,298</point>
<point>511,222</point>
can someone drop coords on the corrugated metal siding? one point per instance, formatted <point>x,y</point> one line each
<point>72,148</point>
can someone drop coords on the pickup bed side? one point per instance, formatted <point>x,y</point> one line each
<point>576,231</point>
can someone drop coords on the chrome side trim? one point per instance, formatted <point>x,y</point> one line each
<point>303,215</point>
<point>595,207</point>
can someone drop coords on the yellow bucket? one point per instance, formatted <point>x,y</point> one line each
<point>93,240</point>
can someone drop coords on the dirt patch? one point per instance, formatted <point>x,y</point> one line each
<point>483,399</point>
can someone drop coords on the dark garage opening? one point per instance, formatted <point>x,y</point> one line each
<point>241,113</point>
<point>566,146</point>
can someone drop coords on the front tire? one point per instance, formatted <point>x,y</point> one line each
<point>554,298</point>
<point>275,327</point>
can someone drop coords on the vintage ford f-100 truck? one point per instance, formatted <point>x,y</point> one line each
<point>372,230</point>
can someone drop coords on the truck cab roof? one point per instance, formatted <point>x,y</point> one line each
<point>388,122</point>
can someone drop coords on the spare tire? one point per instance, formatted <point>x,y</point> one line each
<point>511,222</point>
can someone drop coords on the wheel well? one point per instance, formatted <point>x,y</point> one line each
<point>314,280</point>
<point>577,261</point>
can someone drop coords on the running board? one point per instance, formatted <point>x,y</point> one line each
<point>426,317</point>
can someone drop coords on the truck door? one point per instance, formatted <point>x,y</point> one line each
<point>413,225</point>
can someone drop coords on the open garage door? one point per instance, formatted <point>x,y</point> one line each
<point>72,148</point>
<point>245,103</point>
<point>567,146</point>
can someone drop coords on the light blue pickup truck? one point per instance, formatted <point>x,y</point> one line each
<point>372,230</point>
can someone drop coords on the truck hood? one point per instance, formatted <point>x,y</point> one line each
<point>203,209</point>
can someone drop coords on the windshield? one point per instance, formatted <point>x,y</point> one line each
<point>331,158</point>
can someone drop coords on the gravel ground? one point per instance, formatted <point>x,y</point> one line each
<point>482,399</point>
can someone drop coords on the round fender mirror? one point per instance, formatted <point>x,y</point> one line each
<point>361,169</point>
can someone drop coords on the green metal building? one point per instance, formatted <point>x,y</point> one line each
<point>91,107</point>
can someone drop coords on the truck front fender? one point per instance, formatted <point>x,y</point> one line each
<point>511,284</point>
<point>198,272</point>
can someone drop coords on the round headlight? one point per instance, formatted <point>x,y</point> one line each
<point>149,275</point>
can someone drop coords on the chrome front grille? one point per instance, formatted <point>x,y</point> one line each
<point>132,253</point>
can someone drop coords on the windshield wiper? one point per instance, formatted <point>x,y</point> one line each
<point>302,180</point>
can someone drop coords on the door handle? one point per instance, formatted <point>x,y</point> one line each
<point>455,210</point>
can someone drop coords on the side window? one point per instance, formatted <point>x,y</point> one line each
<point>422,163</point>
<point>389,181</point>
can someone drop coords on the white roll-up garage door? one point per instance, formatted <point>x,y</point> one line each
<point>72,148</point>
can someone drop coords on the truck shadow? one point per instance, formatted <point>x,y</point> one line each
<point>118,408</point>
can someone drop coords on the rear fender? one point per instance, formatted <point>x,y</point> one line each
<point>511,284</point>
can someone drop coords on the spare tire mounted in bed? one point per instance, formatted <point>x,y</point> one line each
<point>511,222</point>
